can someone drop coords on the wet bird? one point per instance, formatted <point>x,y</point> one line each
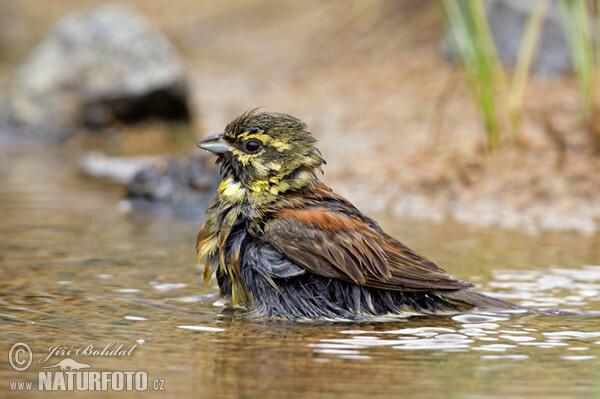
<point>283,245</point>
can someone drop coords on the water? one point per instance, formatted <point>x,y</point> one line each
<point>78,271</point>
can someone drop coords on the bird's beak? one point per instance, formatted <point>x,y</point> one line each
<point>214,143</point>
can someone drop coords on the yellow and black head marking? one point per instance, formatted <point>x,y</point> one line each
<point>261,150</point>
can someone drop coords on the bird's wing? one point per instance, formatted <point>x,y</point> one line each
<point>341,243</point>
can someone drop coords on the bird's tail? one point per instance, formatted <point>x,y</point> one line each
<point>474,300</point>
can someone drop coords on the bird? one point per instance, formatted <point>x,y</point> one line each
<point>285,246</point>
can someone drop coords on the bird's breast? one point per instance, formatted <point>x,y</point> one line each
<point>232,192</point>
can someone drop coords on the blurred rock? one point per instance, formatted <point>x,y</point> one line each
<point>181,187</point>
<point>98,66</point>
<point>117,169</point>
<point>508,18</point>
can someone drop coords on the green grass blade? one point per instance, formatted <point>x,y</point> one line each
<point>471,39</point>
<point>575,19</point>
<point>525,58</point>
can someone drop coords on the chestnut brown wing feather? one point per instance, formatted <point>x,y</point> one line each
<point>347,247</point>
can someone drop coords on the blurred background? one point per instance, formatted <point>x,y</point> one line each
<point>468,129</point>
<point>474,111</point>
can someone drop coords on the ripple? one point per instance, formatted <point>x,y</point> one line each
<point>485,326</point>
<point>433,344</point>
<point>202,328</point>
<point>134,318</point>
<point>586,273</point>
<point>475,332</point>
<point>198,298</point>
<point>325,345</point>
<point>359,342</point>
<point>580,285</point>
<point>420,330</point>
<point>517,332</point>
<point>578,357</point>
<point>506,275</point>
<point>571,334</point>
<point>169,286</point>
<point>355,357</point>
<point>421,338</point>
<point>451,337</point>
<point>337,351</point>
<point>517,338</point>
<point>494,347</point>
<point>546,344</point>
<point>477,318</point>
<point>514,357</point>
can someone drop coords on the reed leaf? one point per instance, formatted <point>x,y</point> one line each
<point>470,38</point>
<point>525,59</point>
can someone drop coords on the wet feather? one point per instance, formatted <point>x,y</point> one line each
<point>284,245</point>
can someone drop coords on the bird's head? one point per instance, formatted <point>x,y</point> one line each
<point>266,152</point>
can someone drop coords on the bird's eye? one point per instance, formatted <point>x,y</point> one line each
<point>252,146</point>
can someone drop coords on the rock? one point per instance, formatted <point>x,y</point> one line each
<point>97,66</point>
<point>181,187</point>
<point>116,169</point>
<point>508,18</point>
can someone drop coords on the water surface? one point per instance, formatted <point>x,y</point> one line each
<point>77,270</point>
